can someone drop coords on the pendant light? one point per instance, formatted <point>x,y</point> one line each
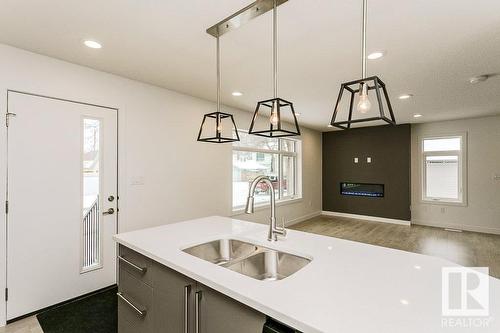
<point>218,127</point>
<point>360,90</point>
<point>267,120</point>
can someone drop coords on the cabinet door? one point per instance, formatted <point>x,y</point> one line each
<point>218,313</point>
<point>136,264</point>
<point>173,302</point>
<point>134,304</point>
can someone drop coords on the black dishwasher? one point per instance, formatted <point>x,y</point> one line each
<point>272,326</point>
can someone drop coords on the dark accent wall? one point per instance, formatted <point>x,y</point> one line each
<point>389,148</point>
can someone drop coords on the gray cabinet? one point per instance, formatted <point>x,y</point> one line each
<point>165,301</point>
<point>136,264</point>
<point>221,314</point>
<point>173,301</point>
<point>135,300</point>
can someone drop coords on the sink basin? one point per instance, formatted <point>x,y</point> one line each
<point>222,251</point>
<point>255,261</point>
<point>269,265</point>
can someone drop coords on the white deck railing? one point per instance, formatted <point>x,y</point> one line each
<point>91,237</point>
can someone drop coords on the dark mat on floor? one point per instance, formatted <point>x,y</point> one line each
<point>93,314</point>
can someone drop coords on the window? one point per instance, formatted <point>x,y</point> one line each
<point>443,169</point>
<point>91,224</point>
<point>279,159</point>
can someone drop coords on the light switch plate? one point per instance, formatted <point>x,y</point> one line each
<point>137,180</point>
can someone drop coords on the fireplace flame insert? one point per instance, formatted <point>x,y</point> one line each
<point>362,189</point>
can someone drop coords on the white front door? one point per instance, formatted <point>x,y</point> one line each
<point>62,179</point>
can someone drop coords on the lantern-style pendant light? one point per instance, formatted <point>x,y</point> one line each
<point>359,93</point>
<point>218,127</point>
<point>267,120</point>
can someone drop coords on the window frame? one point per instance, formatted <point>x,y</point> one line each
<point>462,169</point>
<point>100,264</point>
<point>280,198</point>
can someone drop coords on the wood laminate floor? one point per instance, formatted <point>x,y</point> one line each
<point>26,325</point>
<point>465,248</point>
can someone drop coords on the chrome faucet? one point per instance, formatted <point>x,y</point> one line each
<point>274,231</point>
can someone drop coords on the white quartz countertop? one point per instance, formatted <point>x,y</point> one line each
<point>348,287</point>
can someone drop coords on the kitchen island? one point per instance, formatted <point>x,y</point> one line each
<point>346,287</point>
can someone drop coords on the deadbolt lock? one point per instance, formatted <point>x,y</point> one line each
<point>111,198</point>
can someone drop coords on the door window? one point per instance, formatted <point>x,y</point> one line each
<point>91,226</point>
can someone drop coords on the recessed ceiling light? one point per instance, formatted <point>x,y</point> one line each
<point>376,55</point>
<point>237,93</point>
<point>477,79</point>
<point>417,115</point>
<point>404,302</point>
<point>92,44</point>
<point>405,96</point>
<point>417,267</point>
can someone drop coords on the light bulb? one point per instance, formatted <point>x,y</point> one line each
<point>364,103</point>
<point>274,114</point>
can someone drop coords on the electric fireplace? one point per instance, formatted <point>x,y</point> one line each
<point>362,189</point>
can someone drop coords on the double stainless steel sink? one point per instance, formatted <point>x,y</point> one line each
<point>252,260</point>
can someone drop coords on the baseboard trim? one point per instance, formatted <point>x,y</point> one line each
<point>473,228</point>
<point>367,218</point>
<point>303,218</point>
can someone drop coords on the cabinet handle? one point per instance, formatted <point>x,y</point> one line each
<point>140,312</point>
<point>187,291</point>
<point>142,270</point>
<point>197,311</point>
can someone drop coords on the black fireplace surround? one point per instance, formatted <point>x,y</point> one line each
<point>388,148</point>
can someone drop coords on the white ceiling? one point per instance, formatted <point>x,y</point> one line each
<point>433,48</point>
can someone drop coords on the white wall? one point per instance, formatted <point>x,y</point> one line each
<point>184,179</point>
<point>482,212</point>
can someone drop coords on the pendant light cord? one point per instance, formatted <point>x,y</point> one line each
<point>363,40</point>
<point>218,73</point>
<point>275,48</point>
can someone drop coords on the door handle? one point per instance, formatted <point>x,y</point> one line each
<point>142,270</point>
<point>187,291</point>
<point>140,312</point>
<point>197,311</point>
<point>110,211</point>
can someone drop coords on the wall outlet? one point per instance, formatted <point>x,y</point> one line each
<point>443,210</point>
